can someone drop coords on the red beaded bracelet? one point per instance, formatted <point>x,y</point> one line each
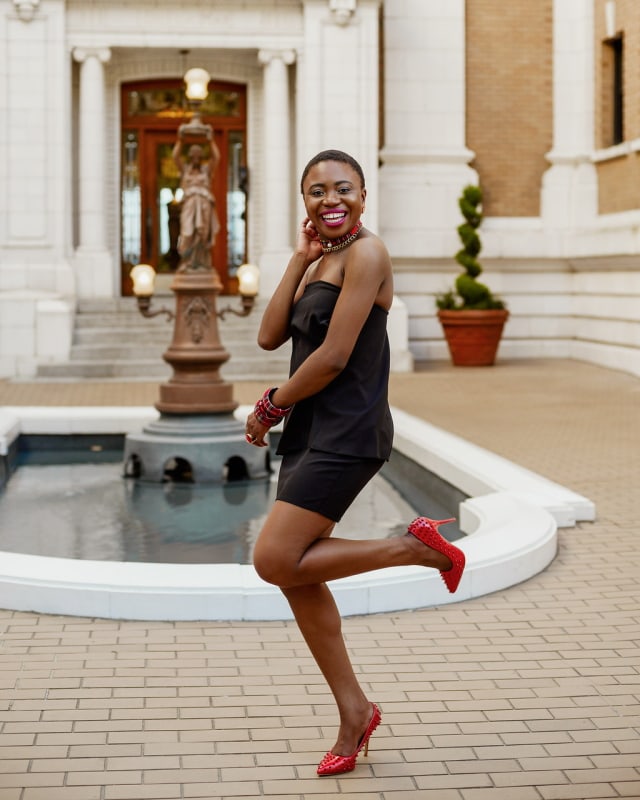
<point>266,412</point>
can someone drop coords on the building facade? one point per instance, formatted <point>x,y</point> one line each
<point>538,102</point>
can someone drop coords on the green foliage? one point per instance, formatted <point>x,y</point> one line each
<point>446,301</point>
<point>469,293</point>
<point>474,293</point>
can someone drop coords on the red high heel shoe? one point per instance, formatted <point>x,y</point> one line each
<point>426,530</point>
<point>333,764</point>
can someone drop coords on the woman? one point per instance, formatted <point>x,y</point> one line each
<point>333,302</point>
<point>199,223</point>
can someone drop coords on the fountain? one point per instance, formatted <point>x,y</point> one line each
<point>196,438</point>
<point>509,517</point>
<point>510,520</point>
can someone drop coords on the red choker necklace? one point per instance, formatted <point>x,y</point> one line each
<point>331,245</point>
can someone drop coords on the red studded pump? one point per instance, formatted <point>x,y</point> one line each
<point>333,764</point>
<point>426,530</point>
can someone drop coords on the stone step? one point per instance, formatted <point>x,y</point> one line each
<point>151,369</point>
<point>133,335</point>
<point>112,351</point>
<point>121,319</point>
<point>111,340</point>
<point>119,350</point>
<point>140,369</point>
<point>141,336</point>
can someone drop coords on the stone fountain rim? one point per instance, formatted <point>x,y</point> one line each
<point>510,521</point>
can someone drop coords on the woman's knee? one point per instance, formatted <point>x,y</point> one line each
<point>287,535</point>
<point>271,566</point>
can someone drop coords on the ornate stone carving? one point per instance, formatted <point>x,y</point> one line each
<point>26,9</point>
<point>342,10</point>
<point>266,56</point>
<point>81,54</point>
<point>197,316</point>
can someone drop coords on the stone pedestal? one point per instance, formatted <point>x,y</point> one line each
<point>196,352</point>
<point>194,448</point>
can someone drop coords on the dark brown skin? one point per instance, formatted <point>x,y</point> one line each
<point>363,270</point>
<point>295,549</point>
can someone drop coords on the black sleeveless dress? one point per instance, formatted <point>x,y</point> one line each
<point>336,440</point>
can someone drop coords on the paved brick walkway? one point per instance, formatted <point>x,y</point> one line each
<point>532,693</point>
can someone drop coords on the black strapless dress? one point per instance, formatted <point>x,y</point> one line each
<point>335,441</point>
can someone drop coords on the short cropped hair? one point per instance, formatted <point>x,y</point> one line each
<point>332,155</point>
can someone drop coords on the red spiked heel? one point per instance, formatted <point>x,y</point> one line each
<point>426,530</point>
<point>333,764</point>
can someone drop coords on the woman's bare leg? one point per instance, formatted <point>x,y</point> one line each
<point>295,552</point>
<point>319,621</point>
<point>294,549</point>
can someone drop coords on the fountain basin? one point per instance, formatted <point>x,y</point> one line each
<point>510,521</point>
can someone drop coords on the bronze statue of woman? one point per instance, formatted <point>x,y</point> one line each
<point>199,222</point>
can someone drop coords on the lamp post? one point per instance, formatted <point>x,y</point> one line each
<point>196,427</point>
<point>195,352</point>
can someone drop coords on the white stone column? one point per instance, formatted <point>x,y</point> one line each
<point>425,158</point>
<point>276,206</point>
<point>94,267</point>
<point>570,188</point>
<point>337,98</point>
<point>34,217</point>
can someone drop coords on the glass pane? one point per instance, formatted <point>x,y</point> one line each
<point>236,203</point>
<point>131,230</point>
<point>171,103</point>
<point>168,179</point>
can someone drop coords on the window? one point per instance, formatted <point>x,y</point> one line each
<point>613,92</point>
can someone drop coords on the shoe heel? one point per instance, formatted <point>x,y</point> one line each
<point>333,764</point>
<point>426,530</point>
<point>438,522</point>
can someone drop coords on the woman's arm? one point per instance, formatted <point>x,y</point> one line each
<point>214,154</point>
<point>367,279</point>
<point>274,328</point>
<point>177,155</point>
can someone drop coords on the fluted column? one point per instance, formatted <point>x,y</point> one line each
<point>277,166</point>
<point>92,154</point>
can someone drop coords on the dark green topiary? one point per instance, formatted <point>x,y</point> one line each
<point>469,292</point>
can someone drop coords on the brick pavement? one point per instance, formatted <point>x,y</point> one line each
<point>532,693</point>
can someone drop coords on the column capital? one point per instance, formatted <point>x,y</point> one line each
<point>81,54</point>
<point>342,11</point>
<point>265,57</point>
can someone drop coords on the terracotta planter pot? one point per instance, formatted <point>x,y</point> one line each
<point>473,336</point>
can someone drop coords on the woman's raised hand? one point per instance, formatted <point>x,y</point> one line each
<point>308,241</point>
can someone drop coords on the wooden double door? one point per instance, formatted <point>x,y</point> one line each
<point>150,192</point>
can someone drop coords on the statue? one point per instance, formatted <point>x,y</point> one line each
<point>199,222</point>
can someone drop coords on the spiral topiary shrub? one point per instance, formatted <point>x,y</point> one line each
<point>469,292</point>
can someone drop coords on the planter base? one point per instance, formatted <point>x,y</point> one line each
<point>473,336</point>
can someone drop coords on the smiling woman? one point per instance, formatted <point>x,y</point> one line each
<point>332,302</point>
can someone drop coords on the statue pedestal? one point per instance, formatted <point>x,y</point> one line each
<point>195,352</point>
